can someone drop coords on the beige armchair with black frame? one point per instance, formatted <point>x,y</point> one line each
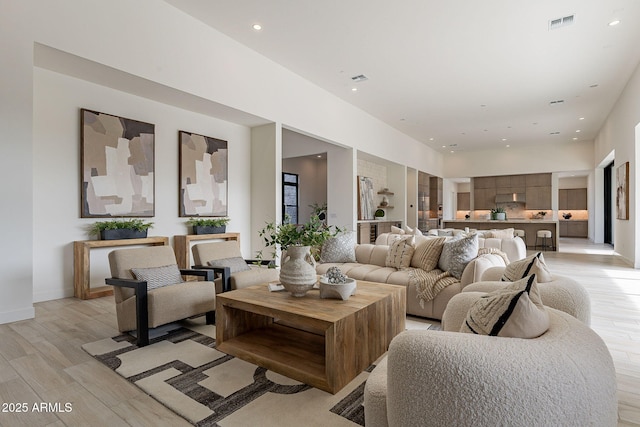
<point>150,291</point>
<point>234,272</point>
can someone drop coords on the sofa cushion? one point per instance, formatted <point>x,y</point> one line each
<point>514,311</point>
<point>457,253</point>
<point>533,264</point>
<point>445,232</point>
<point>340,248</point>
<point>400,253</point>
<point>506,233</point>
<point>157,277</point>
<point>396,230</point>
<point>235,264</point>
<point>427,254</point>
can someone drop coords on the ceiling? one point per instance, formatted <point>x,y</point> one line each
<point>453,74</point>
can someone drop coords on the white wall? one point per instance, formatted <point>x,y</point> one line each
<point>56,160</point>
<point>620,134</point>
<point>16,164</point>
<point>571,156</point>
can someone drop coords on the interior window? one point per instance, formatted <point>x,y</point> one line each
<point>290,197</point>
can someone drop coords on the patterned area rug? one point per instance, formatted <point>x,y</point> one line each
<point>182,369</point>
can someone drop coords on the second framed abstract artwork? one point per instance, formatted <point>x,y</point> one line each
<point>203,175</point>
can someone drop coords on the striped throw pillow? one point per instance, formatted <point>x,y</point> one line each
<point>514,311</point>
<point>157,277</point>
<point>427,254</point>
<point>533,264</point>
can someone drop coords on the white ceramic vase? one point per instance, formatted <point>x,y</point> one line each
<point>298,271</point>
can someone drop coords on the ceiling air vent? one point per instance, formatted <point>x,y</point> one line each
<point>556,102</point>
<point>359,78</point>
<point>554,24</point>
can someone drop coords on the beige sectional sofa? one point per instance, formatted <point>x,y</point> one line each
<point>370,266</point>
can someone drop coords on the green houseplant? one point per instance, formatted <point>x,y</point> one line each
<point>302,243</point>
<point>312,234</point>
<point>208,225</point>
<point>498,213</point>
<point>121,229</point>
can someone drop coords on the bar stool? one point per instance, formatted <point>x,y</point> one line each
<point>520,233</point>
<point>543,235</point>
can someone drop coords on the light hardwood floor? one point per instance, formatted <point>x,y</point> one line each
<point>41,359</point>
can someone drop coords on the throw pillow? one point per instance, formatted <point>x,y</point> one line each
<point>396,230</point>
<point>514,311</point>
<point>445,233</point>
<point>427,254</point>
<point>341,248</point>
<point>157,277</point>
<point>235,264</point>
<point>457,253</point>
<point>400,253</point>
<point>507,233</point>
<point>533,264</point>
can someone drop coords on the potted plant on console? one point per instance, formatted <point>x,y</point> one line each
<point>121,229</point>
<point>298,272</point>
<point>208,225</point>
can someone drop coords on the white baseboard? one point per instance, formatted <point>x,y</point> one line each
<point>17,315</point>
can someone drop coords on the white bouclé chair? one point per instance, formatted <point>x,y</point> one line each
<point>565,377</point>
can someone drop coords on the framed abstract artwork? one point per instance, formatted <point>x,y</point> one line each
<point>117,162</point>
<point>366,205</point>
<point>622,191</point>
<point>203,175</point>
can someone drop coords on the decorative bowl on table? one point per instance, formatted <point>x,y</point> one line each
<point>334,284</point>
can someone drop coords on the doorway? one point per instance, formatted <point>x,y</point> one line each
<point>607,205</point>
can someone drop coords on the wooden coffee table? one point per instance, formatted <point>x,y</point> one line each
<point>321,342</point>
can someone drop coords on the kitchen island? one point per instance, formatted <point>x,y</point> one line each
<point>530,227</point>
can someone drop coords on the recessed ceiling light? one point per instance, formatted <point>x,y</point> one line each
<point>581,118</point>
<point>614,23</point>
<point>319,156</point>
<point>430,139</point>
<point>575,138</point>
<point>508,146</point>
<point>354,89</point>
<point>444,146</point>
<point>578,131</point>
<point>256,27</point>
<point>452,151</point>
<point>504,139</point>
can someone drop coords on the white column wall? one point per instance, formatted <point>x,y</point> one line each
<point>620,134</point>
<point>16,163</point>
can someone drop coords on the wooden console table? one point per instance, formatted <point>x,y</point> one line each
<point>81,261</point>
<point>182,245</point>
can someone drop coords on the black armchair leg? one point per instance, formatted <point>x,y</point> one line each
<point>210,317</point>
<point>142,316</point>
